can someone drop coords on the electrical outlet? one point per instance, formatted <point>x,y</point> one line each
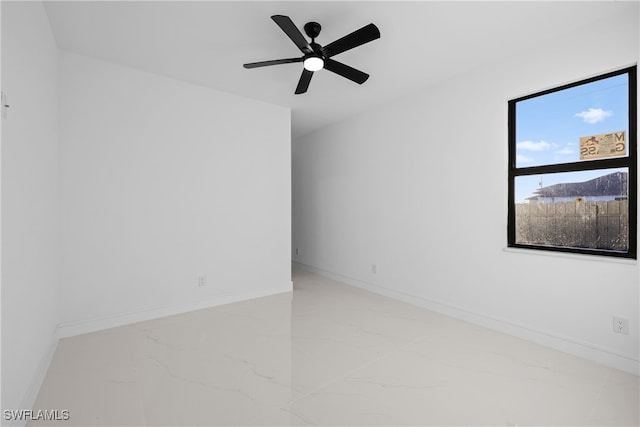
<point>202,281</point>
<point>4,104</point>
<point>620,325</point>
<point>374,269</point>
<point>297,252</point>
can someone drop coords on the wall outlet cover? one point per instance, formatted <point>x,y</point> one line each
<point>620,325</point>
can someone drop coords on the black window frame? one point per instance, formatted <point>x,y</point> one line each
<point>629,162</point>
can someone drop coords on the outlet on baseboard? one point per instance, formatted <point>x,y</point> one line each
<point>620,325</point>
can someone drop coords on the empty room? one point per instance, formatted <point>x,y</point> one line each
<point>330,213</point>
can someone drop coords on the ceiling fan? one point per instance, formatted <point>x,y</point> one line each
<point>315,57</point>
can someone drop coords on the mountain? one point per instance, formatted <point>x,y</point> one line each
<point>613,184</point>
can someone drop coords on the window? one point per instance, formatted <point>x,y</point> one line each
<point>572,167</point>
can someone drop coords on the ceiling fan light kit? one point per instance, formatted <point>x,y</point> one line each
<point>315,57</point>
<point>313,63</point>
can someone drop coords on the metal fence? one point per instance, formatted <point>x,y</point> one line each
<point>579,224</point>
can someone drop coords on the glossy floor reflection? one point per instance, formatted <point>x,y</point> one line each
<point>327,354</point>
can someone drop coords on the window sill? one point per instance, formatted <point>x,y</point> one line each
<point>580,257</point>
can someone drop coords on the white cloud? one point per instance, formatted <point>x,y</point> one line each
<point>566,151</point>
<point>534,146</point>
<point>520,159</point>
<point>594,115</point>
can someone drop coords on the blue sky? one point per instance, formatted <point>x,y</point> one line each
<point>549,128</point>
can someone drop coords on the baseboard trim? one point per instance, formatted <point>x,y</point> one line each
<point>73,328</point>
<point>568,345</point>
<point>30,396</point>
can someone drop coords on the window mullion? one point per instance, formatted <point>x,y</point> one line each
<point>574,167</point>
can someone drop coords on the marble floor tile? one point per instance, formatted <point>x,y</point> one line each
<point>326,354</point>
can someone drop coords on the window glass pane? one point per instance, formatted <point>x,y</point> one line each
<point>588,209</point>
<point>581,123</point>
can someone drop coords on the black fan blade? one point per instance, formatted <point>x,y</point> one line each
<point>290,29</point>
<point>345,71</point>
<point>274,62</point>
<point>303,83</point>
<point>358,37</point>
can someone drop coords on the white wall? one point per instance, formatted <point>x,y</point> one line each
<point>119,189</point>
<point>29,201</point>
<point>163,182</point>
<point>392,188</point>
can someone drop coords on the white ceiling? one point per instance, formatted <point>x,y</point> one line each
<point>206,43</point>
